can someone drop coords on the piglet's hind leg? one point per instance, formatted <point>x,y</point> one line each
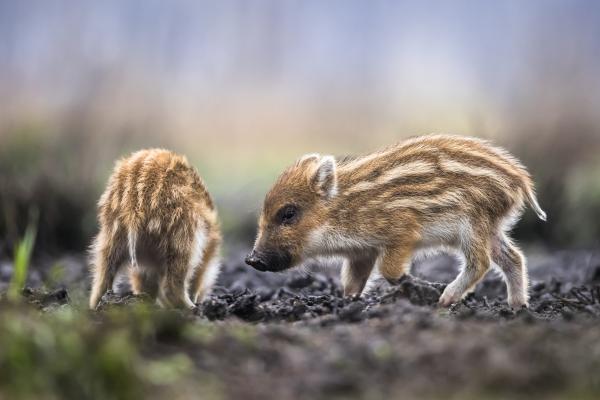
<point>356,272</point>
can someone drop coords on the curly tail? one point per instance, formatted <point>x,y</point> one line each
<point>532,200</point>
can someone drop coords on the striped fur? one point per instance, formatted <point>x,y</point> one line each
<point>157,216</point>
<point>437,191</point>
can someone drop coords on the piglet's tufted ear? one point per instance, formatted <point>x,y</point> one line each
<point>325,177</point>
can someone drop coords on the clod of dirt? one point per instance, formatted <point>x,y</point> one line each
<point>247,307</point>
<point>112,299</point>
<point>417,291</point>
<point>352,313</point>
<point>213,309</point>
<point>44,299</point>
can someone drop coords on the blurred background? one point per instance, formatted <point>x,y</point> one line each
<point>244,87</point>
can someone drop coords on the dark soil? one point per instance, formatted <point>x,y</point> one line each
<point>304,340</point>
<point>564,287</point>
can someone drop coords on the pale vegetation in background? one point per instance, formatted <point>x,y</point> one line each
<point>243,90</point>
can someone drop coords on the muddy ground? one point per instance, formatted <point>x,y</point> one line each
<point>293,336</point>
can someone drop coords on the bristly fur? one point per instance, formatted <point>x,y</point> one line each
<point>157,216</point>
<point>429,192</point>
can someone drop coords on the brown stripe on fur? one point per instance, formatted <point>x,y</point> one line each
<point>131,206</point>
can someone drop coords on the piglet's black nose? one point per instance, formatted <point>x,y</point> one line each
<point>252,259</point>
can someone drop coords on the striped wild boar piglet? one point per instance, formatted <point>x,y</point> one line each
<point>437,192</point>
<point>157,218</point>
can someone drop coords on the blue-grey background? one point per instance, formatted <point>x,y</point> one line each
<point>244,87</point>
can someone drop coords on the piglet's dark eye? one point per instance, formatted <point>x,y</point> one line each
<point>288,214</point>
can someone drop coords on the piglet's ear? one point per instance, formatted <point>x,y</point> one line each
<point>325,177</point>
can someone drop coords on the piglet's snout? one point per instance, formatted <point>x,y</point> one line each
<point>253,259</point>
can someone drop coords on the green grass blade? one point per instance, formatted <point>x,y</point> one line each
<point>22,258</point>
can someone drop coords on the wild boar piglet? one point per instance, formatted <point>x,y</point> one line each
<point>157,218</point>
<point>427,193</point>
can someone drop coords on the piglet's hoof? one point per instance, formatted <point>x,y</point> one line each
<point>449,297</point>
<point>354,297</point>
